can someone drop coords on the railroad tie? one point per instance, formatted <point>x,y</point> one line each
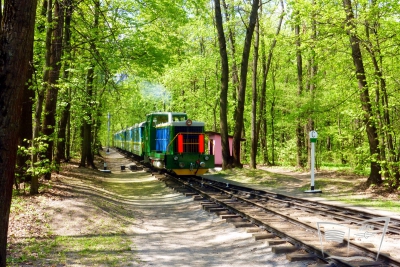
<point>221,197</point>
<point>197,198</point>
<point>262,236</point>
<point>283,249</point>
<point>322,265</point>
<point>365,264</point>
<point>276,242</point>
<point>234,219</point>
<point>211,208</point>
<point>217,209</point>
<point>209,205</point>
<point>228,216</point>
<point>254,230</point>
<point>223,212</point>
<point>300,257</point>
<point>243,224</point>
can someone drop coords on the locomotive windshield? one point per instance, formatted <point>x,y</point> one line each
<point>179,117</point>
<point>160,119</point>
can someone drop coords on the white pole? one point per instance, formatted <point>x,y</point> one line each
<point>312,164</point>
<point>108,128</point>
<point>313,139</point>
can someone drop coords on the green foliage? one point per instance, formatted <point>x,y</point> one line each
<point>164,55</point>
<point>285,153</point>
<point>42,165</point>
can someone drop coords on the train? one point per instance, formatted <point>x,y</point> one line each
<point>168,141</point>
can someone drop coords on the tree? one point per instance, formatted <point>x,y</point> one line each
<point>47,14</point>
<point>16,44</point>
<point>254,133</point>
<point>313,69</point>
<point>371,130</point>
<point>224,85</point>
<point>299,61</point>
<point>52,87</point>
<point>373,43</point>
<point>86,129</point>
<point>25,132</point>
<point>266,65</point>
<point>229,12</point>
<point>63,138</point>
<point>237,135</point>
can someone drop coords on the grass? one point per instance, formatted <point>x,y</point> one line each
<point>99,250</point>
<point>258,177</point>
<point>388,205</point>
<point>100,242</point>
<point>29,250</point>
<point>338,184</point>
<point>95,250</point>
<point>133,188</point>
<point>331,186</point>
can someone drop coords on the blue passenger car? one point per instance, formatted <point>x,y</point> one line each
<point>138,139</point>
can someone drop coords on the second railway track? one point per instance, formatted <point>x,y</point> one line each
<point>287,224</point>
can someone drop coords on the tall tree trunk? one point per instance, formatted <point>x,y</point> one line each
<point>223,103</point>
<point>16,46</point>
<point>49,121</point>
<point>237,135</point>
<point>262,116</point>
<point>25,132</point>
<point>254,134</point>
<point>87,153</point>
<point>266,64</point>
<point>37,128</point>
<point>62,132</point>
<point>312,84</point>
<point>299,127</point>
<point>272,112</point>
<point>232,41</point>
<point>375,168</point>
<point>68,139</point>
<point>391,170</point>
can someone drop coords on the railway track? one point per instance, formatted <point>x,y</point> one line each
<point>288,224</point>
<point>341,214</point>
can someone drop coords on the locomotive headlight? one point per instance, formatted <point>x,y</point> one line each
<point>176,157</point>
<point>206,158</point>
<point>202,164</point>
<point>181,164</point>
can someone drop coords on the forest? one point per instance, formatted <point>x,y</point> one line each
<point>268,71</point>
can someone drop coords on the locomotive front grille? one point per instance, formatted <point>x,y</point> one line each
<point>190,143</point>
<point>190,139</point>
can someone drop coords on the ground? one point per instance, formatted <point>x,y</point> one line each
<point>84,217</point>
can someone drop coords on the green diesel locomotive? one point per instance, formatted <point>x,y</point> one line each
<point>168,140</point>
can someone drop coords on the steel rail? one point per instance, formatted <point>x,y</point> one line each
<point>296,242</point>
<point>288,200</point>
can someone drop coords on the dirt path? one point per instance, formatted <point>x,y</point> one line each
<point>88,218</point>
